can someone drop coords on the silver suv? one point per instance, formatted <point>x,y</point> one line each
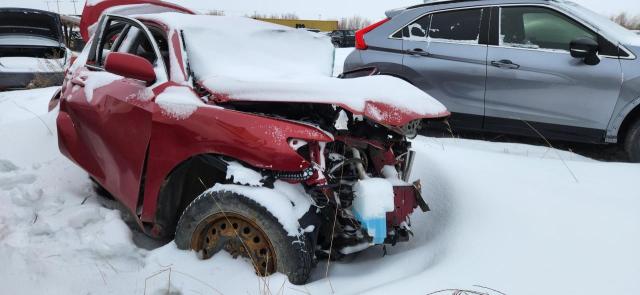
<point>515,66</point>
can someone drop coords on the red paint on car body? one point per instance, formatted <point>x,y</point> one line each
<point>130,145</point>
<point>91,13</point>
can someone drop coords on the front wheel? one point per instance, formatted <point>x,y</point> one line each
<point>235,223</point>
<point>632,142</point>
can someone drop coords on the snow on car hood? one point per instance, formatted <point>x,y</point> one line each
<point>239,58</point>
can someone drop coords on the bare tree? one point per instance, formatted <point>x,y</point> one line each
<point>629,22</point>
<point>355,22</point>
<point>285,16</point>
<point>216,12</point>
<point>275,16</point>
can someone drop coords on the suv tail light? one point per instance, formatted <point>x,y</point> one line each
<point>360,44</point>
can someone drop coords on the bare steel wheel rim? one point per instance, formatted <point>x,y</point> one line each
<point>238,235</point>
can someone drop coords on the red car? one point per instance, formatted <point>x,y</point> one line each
<point>231,134</point>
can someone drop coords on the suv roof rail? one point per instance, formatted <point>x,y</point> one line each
<point>435,2</point>
<point>393,12</point>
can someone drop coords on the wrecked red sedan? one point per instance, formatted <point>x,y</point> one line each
<point>231,134</point>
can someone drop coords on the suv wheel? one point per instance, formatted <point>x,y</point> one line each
<point>632,142</point>
<point>232,222</point>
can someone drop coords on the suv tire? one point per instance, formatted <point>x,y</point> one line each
<point>632,142</point>
<point>219,212</point>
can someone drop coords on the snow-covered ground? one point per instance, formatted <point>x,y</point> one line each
<point>515,218</point>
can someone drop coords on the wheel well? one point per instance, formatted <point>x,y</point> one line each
<point>396,76</point>
<point>185,183</point>
<point>626,124</point>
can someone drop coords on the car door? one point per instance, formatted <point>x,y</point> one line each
<point>113,113</point>
<point>532,77</point>
<point>445,56</point>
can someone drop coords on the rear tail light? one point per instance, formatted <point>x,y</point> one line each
<point>360,44</point>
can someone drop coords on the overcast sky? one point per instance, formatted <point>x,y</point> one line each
<point>325,9</point>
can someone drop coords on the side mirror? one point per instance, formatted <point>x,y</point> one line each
<point>130,66</point>
<point>586,49</point>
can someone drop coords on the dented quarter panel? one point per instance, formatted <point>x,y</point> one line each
<point>256,140</point>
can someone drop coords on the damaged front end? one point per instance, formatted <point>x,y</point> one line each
<point>360,181</point>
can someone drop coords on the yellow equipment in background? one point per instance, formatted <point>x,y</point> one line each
<point>321,25</point>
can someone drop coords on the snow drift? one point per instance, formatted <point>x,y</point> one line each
<point>516,218</point>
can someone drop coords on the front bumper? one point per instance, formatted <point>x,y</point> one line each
<point>394,227</point>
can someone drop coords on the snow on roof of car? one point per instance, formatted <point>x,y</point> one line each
<point>247,59</point>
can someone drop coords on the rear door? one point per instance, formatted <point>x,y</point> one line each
<point>445,53</point>
<point>532,77</point>
<point>113,113</point>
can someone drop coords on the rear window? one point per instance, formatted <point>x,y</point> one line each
<point>29,23</point>
<point>459,25</point>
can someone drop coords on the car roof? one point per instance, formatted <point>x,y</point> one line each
<point>464,3</point>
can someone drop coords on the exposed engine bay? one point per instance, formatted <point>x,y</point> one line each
<point>362,150</point>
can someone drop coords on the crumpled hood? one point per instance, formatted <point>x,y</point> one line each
<point>241,59</point>
<point>384,99</point>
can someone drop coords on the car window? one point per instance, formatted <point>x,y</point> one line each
<point>458,25</point>
<point>539,28</point>
<point>137,43</point>
<point>417,30</point>
<point>163,44</point>
<point>111,37</point>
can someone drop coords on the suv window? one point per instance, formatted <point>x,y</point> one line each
<point>459,25</point>
<point>416,30</point>
<point>539,28</point>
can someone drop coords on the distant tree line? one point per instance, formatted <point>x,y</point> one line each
<point>355,22</point>
<point>216,12</point>
<point>631,22</point>
<point>275,16</point>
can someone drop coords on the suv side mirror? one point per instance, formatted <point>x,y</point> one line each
<point>130,66</point>
<point>586,49</point>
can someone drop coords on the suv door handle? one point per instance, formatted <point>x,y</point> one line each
<point>417,52</point>
<point>505,64</point>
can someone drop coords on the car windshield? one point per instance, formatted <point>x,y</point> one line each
<point>601,22</point>
<point>351,33</point>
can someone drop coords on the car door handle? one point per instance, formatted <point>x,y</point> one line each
<point>505,64</point>
<point>418,52</point>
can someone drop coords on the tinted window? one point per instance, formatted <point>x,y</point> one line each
<point>418,30</point>
<point>539,28</point>
<point>459,25</point>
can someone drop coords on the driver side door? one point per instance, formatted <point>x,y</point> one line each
<point>532,77</point>
<point>113,113</point>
